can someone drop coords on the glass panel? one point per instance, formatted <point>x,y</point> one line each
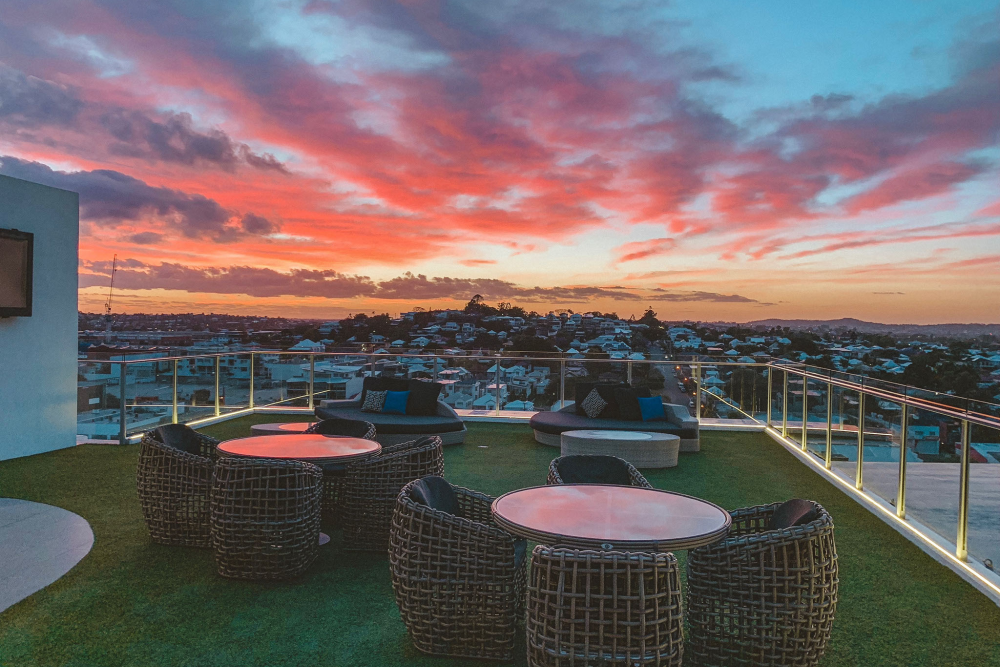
<point>795,398</point>
<point>195,388</point>
<point>817,418</point>
<point>984,494</point>
<point>882,448</point>
<point>932,481</point>
<point>234,383</point>
<point>845,433</point>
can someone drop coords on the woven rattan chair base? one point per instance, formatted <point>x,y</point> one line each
<point>458,580</point>
<point>763,597</point>
<point>174,488</point>
<point>370,489</point>
<point>603,608</point>
<point>265,517</point>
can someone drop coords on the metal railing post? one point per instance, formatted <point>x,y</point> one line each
<point>173,418</point>
<point>435,368</point>
<point>770,388</point>
<point>628,372</point>
<point>218,402</point>
<point>697,392</point>
<point>497,386</point>
<point>901,489</point>
<point>562,383</point>
<point>312,380</point>
<point>962,541</point>
<point>859,472</point>
<point>784,407</point>
<point>122,412</point>
<point>251,381</point>
<point>828,458</point>
<point>805,412</point>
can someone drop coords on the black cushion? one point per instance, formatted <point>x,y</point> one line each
<point>423,398</point>
<point>593,469</point>
<point>383,384</point>
<point>627,400</point>
<point>435,492</point>
<point>180,437</point>
<point>605,390</point>
<point>580,392</point>
<point>348,428</point>
<point>794,512</point>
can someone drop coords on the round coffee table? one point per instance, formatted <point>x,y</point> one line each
<point>601,516</point>
<point>310,447</point>
<point>281,428</point>
<point>641,449</point>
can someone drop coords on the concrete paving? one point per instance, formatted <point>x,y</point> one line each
<point>38,545</point>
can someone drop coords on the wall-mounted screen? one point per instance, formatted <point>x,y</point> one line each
<point>16,258</point>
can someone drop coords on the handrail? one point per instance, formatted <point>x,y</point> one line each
<point>900,395</point>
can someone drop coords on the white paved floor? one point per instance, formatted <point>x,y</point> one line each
<point>38,544</point>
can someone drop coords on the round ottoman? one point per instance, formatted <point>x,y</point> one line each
<point>641,449</point>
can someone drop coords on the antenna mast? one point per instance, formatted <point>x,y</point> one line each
<point>107,304</point>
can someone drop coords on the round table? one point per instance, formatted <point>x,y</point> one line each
<point>602,516</point>
<point>281,428</point>
<point>309,447</point>
<point>640,448</point>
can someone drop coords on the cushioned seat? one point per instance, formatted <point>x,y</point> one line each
<point>395,428</point>
<point>549,425</point>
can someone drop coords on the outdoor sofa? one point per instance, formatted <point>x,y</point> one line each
<point>548,426</point>
<point>426,417</point>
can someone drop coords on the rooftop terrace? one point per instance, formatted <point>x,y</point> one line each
<point>131,602</point>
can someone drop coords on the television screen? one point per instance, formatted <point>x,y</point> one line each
<point>16,255</point>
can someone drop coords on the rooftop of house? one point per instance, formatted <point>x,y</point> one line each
<point>130,602</point>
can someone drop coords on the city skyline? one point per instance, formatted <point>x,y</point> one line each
<point>718,163</point>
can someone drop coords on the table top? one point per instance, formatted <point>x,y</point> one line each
<point>311,447</point>
<point>594,434</point>
<point>602,516</point>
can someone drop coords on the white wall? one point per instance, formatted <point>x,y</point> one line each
<point>38,353</point>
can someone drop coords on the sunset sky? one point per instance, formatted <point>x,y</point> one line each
<point>713,160</point>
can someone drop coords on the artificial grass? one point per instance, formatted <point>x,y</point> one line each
<point>130,602</point>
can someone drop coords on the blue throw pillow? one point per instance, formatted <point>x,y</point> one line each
<point>651,409</point>
<point>395,402</point>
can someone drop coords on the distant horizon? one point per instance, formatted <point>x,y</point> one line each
<point>716,161</point>
<point>763,322</point>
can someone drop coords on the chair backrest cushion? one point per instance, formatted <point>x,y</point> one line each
<point>423,398</point>
<point>434,492</point>
<point>179,437</point>
<point>593,469</point>
<point>794,512</point>
<point>349,428</point>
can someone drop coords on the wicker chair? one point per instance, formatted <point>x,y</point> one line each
<point>603,608</point>
<point>174,479</point>
<point>265,517</point>
<point>459,580</point>
<point>763,596</point>
<point>594,469</point>
<point>335,473</point>
<point>372,486</point>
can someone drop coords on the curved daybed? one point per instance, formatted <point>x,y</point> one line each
<point>548,426</point>
<point>392,429</point>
